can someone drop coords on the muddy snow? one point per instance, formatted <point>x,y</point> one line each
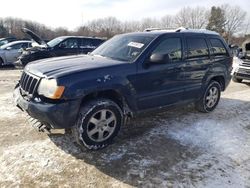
<point>177,148</point>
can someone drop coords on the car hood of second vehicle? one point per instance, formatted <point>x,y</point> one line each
<point>62,66</point>
<point>35,37</point>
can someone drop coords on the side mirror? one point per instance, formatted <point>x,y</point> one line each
<point>159,58</point>
<point>9,48</point>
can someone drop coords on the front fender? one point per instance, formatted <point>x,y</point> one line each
<point>80,85</point>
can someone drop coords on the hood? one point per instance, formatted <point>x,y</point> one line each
<point>62,66</point>
<point>35,37</point>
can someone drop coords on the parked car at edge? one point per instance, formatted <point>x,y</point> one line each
<point>241,69</point>
<point>61,46</point>
<point>11,51</point>
<point>4,41</point>
<point>128,75</point>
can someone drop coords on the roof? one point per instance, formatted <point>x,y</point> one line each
<point>63,37</point>
<point>19,41</point>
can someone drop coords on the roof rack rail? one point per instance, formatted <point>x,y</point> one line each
<point>158,29</point>
<point>205,31</point>
<point>182,29</point>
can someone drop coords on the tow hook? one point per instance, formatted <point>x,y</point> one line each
<point>44,129</point>
<point>39,126</point>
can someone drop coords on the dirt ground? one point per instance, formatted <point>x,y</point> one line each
<point>178,148</point>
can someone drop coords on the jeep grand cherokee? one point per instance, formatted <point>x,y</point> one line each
<point>127,75</point>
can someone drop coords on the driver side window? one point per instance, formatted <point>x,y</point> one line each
<point>170,46</point>
<point>69,43</point>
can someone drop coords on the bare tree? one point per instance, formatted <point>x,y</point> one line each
<point>130,26</point>
<point>105,27</point>
<point>182,17</point>
<point>195,18</point>
<point>199,17</point>
<point>149,23</point>
<point>235,18</point>
<point>167,22</point>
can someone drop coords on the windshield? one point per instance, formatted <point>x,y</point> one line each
<point>5,46</point>
<point>2,42</point>
<point>123,47</point>
<point>54,42</point>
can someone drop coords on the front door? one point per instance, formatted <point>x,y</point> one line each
<point>162,84</point>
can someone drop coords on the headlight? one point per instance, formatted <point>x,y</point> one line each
<point>50,89</point>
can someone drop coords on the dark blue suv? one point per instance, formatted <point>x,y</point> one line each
<point>127,75</point>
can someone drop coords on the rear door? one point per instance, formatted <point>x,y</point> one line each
<point>89,44</point>
<point>220,55</point>
<point>86,46</point>
<point>162,84</point>
<point>196,66</point>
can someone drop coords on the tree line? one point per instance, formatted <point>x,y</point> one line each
<point>225,19</point>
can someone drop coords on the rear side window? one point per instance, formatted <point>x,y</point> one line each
<point>170,46</point>
<point>197,47</point>
<point>88,43</point>
<point>19,46</point>
<point>217,47</point>
<point>97,42</point>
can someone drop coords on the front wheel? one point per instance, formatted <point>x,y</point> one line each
<point>210,98</point>
<point>99,121</point>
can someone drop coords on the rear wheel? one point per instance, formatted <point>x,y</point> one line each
<point>210,98</point>
<point>237,80</point>
<point>1,62</point>
<point>98,123</point>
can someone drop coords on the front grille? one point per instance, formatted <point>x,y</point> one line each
<point>29,83</point>
<point>246,64</point>
<point>244,71</point>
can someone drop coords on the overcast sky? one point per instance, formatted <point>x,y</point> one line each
<point>72,13</point>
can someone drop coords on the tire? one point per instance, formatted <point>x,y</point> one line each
<point>98,123</point>
<point>237,80</point>
<point>210,98</point>
<point>1,62</point>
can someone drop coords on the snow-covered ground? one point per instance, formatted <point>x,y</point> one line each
<point>178,148</point>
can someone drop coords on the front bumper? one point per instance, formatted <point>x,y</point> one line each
<point>242,74</point>
<point>59,115</point>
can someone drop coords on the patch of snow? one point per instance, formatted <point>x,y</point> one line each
<point>114,155</point>
<point>30,159</point>
<point>227,138</point>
